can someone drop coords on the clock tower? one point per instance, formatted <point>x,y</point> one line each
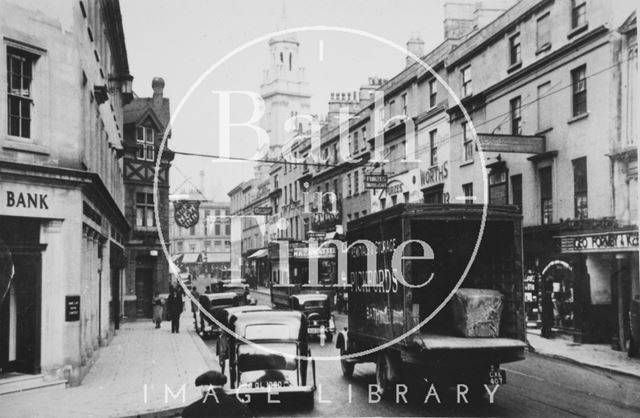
<point>284,89</point>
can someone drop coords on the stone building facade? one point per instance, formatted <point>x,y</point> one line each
<point>64,81</point>
<point>145,122</point>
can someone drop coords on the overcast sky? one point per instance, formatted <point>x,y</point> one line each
<point>180,40</point>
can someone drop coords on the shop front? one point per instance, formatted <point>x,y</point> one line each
<point>611,267</point>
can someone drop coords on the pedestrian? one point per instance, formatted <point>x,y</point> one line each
<point>547,310</point>
<point>194,307</point>
<point>158,310</point>
<point>215,402</point>
<point>175,307</point>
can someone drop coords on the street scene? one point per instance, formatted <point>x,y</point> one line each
<point>297,208</point>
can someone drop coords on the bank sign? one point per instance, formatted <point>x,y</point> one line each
<point>35,201</point>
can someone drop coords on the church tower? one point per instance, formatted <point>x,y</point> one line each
<point>284,89</point>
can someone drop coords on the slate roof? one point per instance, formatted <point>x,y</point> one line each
<point>139,107</point>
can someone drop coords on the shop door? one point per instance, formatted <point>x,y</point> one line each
<point>144,292</point>
<point>20,315</point>
<point>115,298</point>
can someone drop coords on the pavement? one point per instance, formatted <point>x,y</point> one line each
<point>143,372</point>
<point>599,356</point>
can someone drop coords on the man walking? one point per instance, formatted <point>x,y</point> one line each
<point>194,307</point>
<point>175,306</point>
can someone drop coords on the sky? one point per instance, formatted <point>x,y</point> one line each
<point>181,40</point>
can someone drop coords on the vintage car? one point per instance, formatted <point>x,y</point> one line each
<point>214,303</point>
<point>317,309</point>
<point>272,369</point>
<point>240,288</point>
<point>223,316</point>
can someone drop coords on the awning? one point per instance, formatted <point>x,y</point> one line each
<point>191,258</point>
<point>263,252</point>
<point>176,258</point>
<point>219,257</point>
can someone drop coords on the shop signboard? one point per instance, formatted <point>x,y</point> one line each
<point>600,242</point>
<point>72,308</point>
<point>375,181</point>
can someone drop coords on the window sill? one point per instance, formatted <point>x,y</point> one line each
<point>578,117</point>
<point>466,163</point>
<point>544,131</point>
<point>19,144</point>
<point>577,31</point>
<point>513,67</point>
<point>544,48</point>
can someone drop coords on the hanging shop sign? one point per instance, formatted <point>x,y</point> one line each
<point>72,308</point>
<point>263,210</point>
<point>375,181</point>
<point>186,213</point>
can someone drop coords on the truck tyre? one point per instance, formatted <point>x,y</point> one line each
<point>347,366</point>
<point>385,386</point>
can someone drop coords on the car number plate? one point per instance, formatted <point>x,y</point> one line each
<point>497,377</point>
<point>314,330</point>
<point>268,384</point>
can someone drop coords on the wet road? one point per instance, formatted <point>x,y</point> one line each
<point>537,387</point>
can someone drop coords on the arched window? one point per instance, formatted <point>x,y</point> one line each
<point>290,61</point>
<point>281,57</point>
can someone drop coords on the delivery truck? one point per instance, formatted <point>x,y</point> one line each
<point>404,265</point>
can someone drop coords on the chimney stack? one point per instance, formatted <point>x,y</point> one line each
<point>157,84</point>
<point>415,45</point>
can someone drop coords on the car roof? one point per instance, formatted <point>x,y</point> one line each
<point>305,297</point>
<point>217,296</point>
<point>293,319</point>
<point>247,308</point>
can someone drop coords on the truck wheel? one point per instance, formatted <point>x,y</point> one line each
<point>347,366</point>
<point>383,382</point>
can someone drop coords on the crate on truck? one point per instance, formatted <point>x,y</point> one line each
<point>389,299</point>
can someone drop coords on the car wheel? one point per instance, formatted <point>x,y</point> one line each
<point>347,366</point>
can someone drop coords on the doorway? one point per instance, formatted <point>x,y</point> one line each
<point>20,307</point>
<point>144,291</point>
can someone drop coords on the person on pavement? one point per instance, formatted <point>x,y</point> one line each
<point>157,311</point>
<point>547,311</point>
<point>215,402</point>
<point>194,307</point>
<point>175,306</point>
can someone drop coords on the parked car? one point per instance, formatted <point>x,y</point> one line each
<point>317,309</point>
<point>213,303</point>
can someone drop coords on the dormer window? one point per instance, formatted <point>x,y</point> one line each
<point>145,137</point>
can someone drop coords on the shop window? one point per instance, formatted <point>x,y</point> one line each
<point>516,115</point>
<point>580,188</point>
<point>145,216</point>
<point>19,94</point>
<point>579,86</point>
<point>467,190</point>
<point>546,203</point>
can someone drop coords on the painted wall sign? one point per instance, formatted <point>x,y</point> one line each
<point>395,188</point>
<point>434,175</point>
<point>72,308</point>
<point>511,143</point>
<point>600,242</point>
